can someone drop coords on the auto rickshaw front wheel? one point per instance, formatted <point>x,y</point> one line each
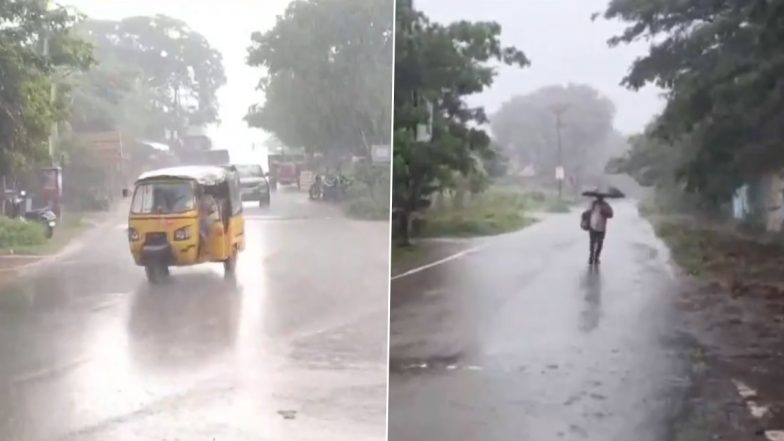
<point>156,272</point>
<point>230,264</point>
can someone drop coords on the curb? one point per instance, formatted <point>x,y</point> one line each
<point>71,247</point>
<point>41,260</point>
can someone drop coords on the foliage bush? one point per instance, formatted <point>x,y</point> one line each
<point>557,206</point>
<point>367,208</point>
<point>368,196</point>
<point>16,233</point>
<point>537,196</point>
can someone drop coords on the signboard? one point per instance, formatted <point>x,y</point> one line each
<point>306,179</point>
<point>381,154</point>
<point>105,145</point>
<point>559,173</point>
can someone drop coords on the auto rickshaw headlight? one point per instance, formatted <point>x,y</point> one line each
<point>183,233</point>
<point>133,235</point>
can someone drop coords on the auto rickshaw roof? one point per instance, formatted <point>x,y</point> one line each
<point>204,175</point>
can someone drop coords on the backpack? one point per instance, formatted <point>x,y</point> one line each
<point>585,220</point>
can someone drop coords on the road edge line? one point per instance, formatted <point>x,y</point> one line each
<point>437,262</point>
<point>758,411</point>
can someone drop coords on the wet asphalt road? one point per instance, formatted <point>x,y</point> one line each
<point>295,349</point>
<point>520,340</point>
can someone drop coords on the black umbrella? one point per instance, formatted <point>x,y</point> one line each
<point>609,192</point>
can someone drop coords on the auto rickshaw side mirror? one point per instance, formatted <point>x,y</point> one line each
<point>125,193</point>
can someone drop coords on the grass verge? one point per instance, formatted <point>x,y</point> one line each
<point>366,208</point>
<point>405,257</point>
<point>364,203</point>
<point>71,226</point>
<point>739,262</point>
<point>490,213</point>
<point>556,206</point>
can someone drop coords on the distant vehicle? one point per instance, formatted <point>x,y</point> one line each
<point>254,185</point>
<point>285,169</point>
<point>217,157</point>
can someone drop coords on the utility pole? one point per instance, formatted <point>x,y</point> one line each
<point>53,135</point>
<point>560,174</point>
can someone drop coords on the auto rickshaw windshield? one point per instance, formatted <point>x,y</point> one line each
<point>164,198</point>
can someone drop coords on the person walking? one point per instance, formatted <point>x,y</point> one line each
<point>600,211</point>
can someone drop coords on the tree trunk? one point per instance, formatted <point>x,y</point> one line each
<point>459,200</point>
<point>404,228</point>
<point>439,202</point>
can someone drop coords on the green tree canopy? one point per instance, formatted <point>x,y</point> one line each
<point>526,127</point>
<point>110,97</point>
<point>721,64</point>
<point>440,65</point>
<point>155,68</point>
<point>29,65</point>
<point>328,75</point>
<point>651,162</point>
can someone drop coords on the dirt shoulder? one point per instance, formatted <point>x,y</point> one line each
<point>732,305</point>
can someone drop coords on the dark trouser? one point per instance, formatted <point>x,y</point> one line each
<point>597,240</point>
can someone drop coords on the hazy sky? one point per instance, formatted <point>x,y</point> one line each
<point>564,46</point>
<point>227,24</point>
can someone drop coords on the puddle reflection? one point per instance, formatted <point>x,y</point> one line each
<point>591,284</point>
<point>184,322</point>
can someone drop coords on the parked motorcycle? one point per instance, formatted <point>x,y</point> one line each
<point>329,188</point>
<point>43,216</point>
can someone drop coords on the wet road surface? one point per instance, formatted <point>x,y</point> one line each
<point>294,349</point>
<point>520,340</point>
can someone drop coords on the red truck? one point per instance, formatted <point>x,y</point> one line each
<point>285,169</point>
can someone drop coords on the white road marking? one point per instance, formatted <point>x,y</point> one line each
<point>757,410</point>
<point>416,366</point>
<point>774,435</point>
<point>121,227</point>
<point>38,374</point>
<point>744,391</point>
<point>437,262</point>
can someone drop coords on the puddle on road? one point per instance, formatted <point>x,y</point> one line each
<point>435,363</point>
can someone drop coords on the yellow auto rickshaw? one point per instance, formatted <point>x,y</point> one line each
<point>183,216</point>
